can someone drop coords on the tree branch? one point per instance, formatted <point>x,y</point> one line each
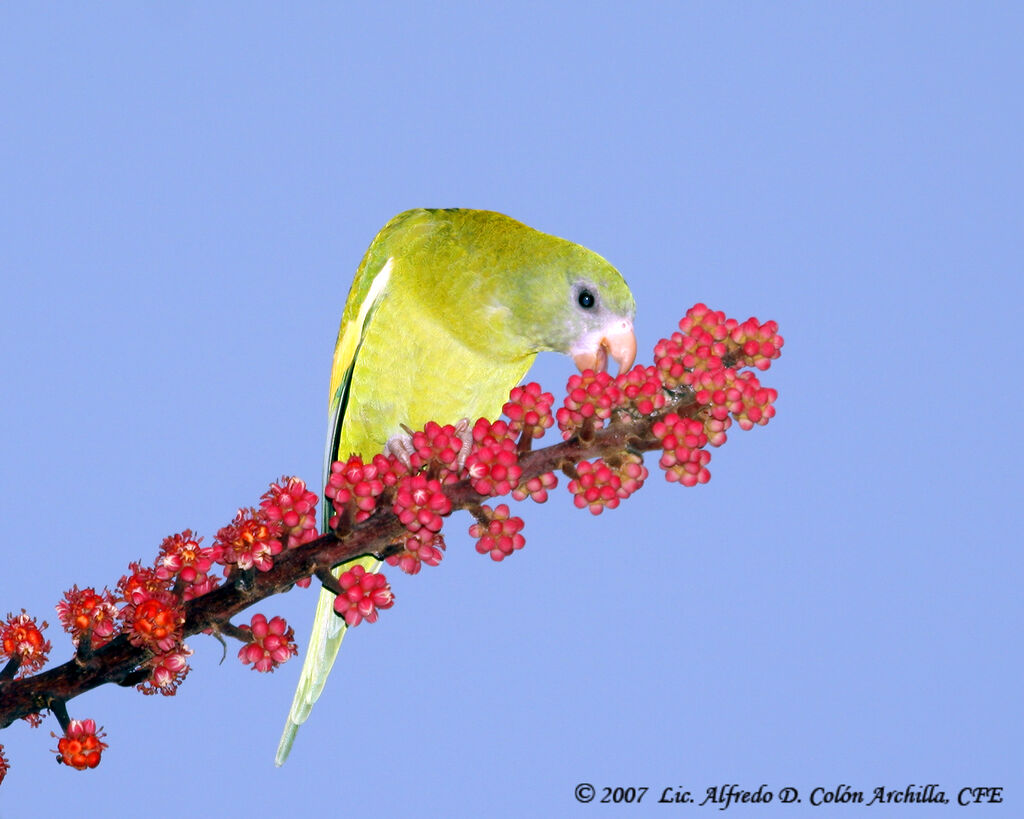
<point>119,661</point>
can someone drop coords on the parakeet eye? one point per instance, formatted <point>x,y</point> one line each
<point>586,299</point>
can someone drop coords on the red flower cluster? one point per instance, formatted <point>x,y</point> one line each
<point>363,595</point>
<point>289,503</point>
<point>154,620</point>
<point>422,547</point>
<point>529,410</point>
<point>493,465</point>
<point>4,765</point>
<point>81,745</point>
<point>354,486</point>
<point>141,580</point>
<point>21,638</point>
<point>420,503</point>
<point>251,539</point>
<point>684,459</point>
<point>497,533</point>
<point>182,557</point>
<point>707,338</point>
<point>86,611</point>
<point>436,446</point>
<point>600,484</point>
<point>641,389</point>
<point>588,395</point>
<point>273,643</point>
<point>168,671</point>
<point>536,488</point>
<point>596,486</point>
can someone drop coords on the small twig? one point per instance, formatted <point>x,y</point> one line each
<point>230,629</point>
<point>329,581</point>
<point>11,668</point>
<point>59,709</point>
<point>133,678</point>
<point>84,652</point>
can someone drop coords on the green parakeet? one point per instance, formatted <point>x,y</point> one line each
<point>446,314</point>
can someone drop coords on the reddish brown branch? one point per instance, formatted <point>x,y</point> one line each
<point>119,661</point>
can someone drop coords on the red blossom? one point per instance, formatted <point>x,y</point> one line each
<point>740,394</point>
<point>168,672</point>
<point>493,465</point>
<point>182,557</point>
<point>81,745</point>
<point>489,432</point>
<point>631,471</point>
<point>595,487</point>
<point>353,486</point>
<point>684,458</point>
<point>22,641</point>
<point>363,595</point>
<point>588,395</point>
<point>700,346</point>
<point>88,611</point>
<point>536,488</point>
<point>641,389</point>
<point>707,338</point>
<point>715,429</point>
<point>154,622</point>
<point>755,405</point>
<point>273,643</point>
<point>498,533</point>
<point>420,503</point>
<point>422,547</point>
<point>291,504</point>
<point>529,410</point>
<point>4,765</point>
<point>249,540</point>
<point>141,583</point>
<point>436,446</point>
<point>759,344</point>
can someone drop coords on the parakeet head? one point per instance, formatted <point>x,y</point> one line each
<point>597,323</point>
<point>517,291</point>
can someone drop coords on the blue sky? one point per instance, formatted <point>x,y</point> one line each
<point>186,194</point>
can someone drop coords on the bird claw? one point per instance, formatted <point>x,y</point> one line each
<point>400,446</point>
<point>464,434</point>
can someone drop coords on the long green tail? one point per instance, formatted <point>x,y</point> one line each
<point>324,641</point>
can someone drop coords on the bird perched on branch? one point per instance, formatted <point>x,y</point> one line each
<point>446,314</point>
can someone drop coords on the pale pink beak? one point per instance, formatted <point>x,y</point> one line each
<point>617,341</point>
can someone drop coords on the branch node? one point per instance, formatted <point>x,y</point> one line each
<point>134,677</point>
<point>569,469</point>
<point>525,443</point>
<point>328,581</point>
<point>60,710</point>
<point>586,434</point>
<point>230,629</point>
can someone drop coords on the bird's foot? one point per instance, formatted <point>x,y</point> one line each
<point>400,446</point>
<point>465,434</point>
